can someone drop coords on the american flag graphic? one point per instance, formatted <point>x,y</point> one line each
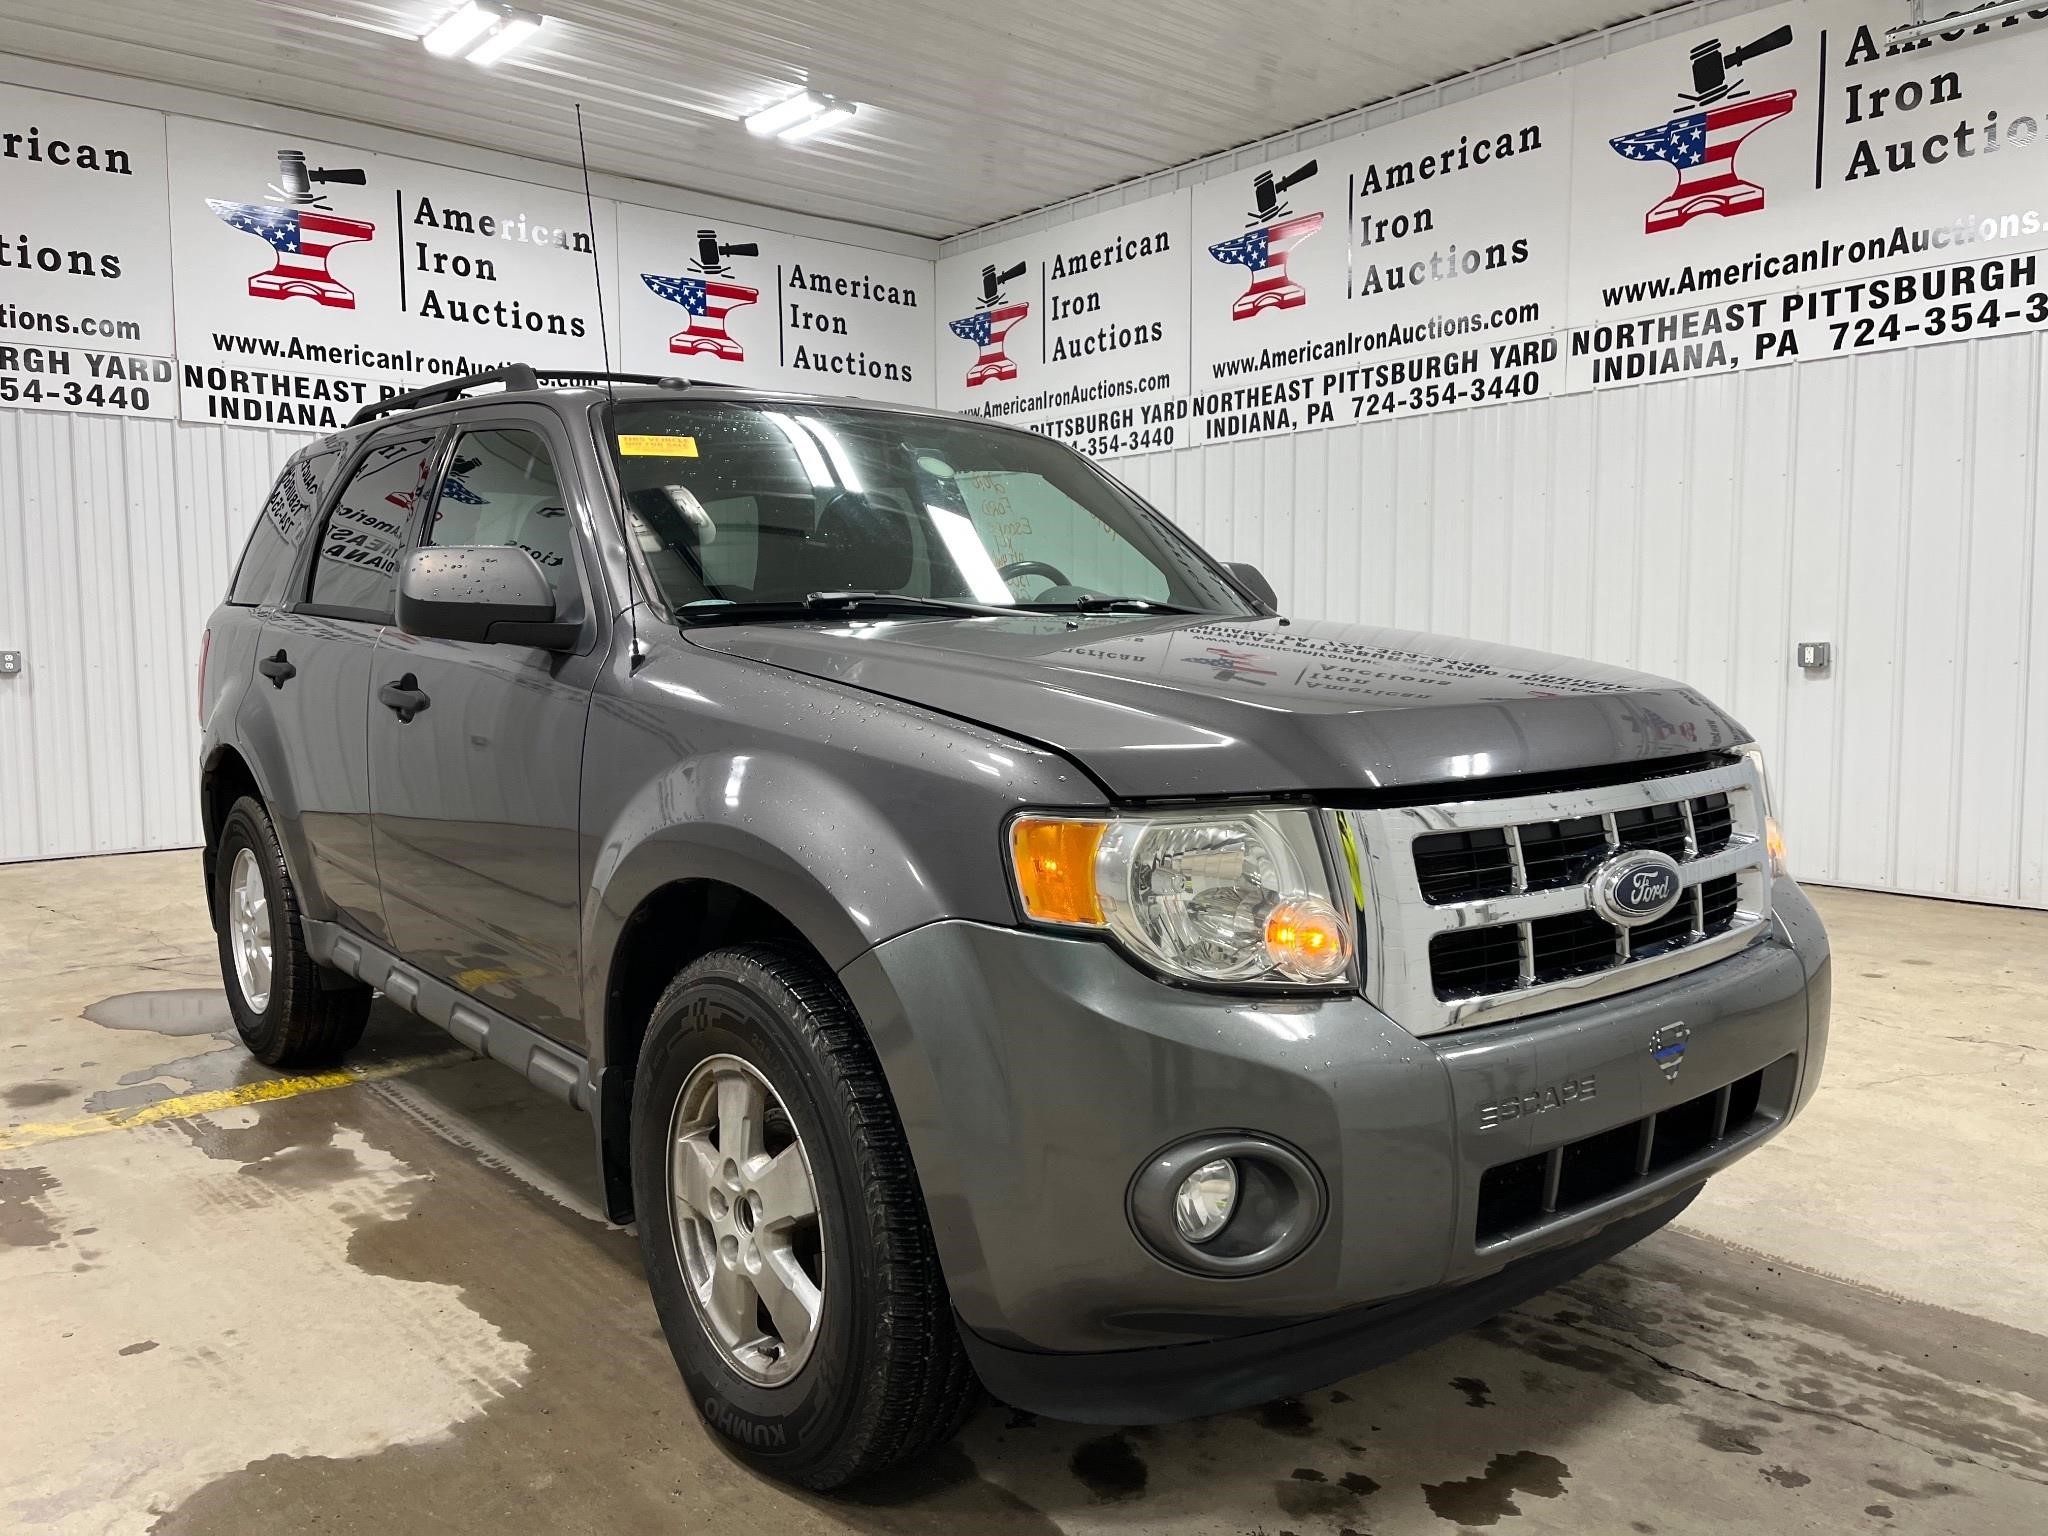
<point>987,330</point>
<point>302,239</point>
<point>1264,250</point>
<point>1702,146</point>
<point>707,303</point>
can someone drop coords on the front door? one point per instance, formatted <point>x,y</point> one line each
<point>475,796</point>
<point>313,682</point>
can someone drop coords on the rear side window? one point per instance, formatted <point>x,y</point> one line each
<point>356,570</point>
<point>294,503</point>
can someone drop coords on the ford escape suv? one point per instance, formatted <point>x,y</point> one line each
<point>992,943</point>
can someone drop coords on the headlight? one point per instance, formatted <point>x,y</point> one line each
<point>1221,897</point>
<point>1774,837</point>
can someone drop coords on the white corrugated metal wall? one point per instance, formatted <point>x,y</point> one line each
<point>1890,504</point>
<point>116,540</point>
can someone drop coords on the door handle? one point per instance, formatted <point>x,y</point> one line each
<point>278,669</point>
<point>403,698</point>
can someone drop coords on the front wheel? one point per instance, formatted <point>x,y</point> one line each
<point>782,1228</point>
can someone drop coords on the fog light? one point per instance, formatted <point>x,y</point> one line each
<point>1205,1200</point>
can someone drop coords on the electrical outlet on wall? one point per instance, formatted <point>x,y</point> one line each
<point>10,663</point>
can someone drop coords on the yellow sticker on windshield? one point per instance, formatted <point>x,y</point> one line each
<point>657,445</point>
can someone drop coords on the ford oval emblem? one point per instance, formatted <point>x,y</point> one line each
<point>1635,887</point>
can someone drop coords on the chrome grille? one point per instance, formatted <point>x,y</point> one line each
<point>1479,910</point>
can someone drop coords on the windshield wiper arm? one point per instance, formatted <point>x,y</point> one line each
<point>841,601</point>
<point>1112,605</point>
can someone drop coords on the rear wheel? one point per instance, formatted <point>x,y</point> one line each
<point>782,1229</point>
<point>289,1010</point>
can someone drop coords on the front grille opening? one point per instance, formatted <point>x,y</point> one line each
<point>1682,1131</point>
<point>1571,944</point>
<point>1719,899</point>
<point>1713,823</point>
<point>1477,962</point>
<point>1464,866</point>
<point>1471,962</point>
<point>1508,1193</point>
<point>1562,852</point>
<point>1597,1166</point>
<point>1661,827</point>
<point>1523,1193</point>
<point>1667,932</point>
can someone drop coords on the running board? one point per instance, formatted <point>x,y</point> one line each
<point>481,1028</point>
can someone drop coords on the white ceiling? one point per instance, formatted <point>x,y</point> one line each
<point>971,110</point>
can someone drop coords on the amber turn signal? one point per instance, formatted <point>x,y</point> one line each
<point>1307,940</point>
<point>1055,864</point>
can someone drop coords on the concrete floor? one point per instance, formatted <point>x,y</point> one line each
<point>389,1306</point>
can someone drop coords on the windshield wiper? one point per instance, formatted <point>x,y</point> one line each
<point>843,601</point>
<point>1113,605</point>
<point>837,602</point>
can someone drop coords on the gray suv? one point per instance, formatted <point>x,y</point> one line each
<point>993,945</point>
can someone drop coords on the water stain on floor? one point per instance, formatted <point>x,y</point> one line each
<point>24,1222</point>
<point>172,1011</point>
<point>1490,1497</point>
<point>1110,1468</point>
<point>29,1095</point>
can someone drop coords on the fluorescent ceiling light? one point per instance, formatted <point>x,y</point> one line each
<point>516,29</point>
<point>835,113</point>
<point>801,107</point>
<point>461,29</point>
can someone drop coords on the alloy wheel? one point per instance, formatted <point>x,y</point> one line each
<point>747,1231</point>
<point>249,929</point>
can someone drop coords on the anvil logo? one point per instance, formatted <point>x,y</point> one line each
<point>1265,249</point>
<point>298,227</point>
<point>989,326</point>
<point>707,301</point>
<point>1233,666</point>
<point>1701,144</point>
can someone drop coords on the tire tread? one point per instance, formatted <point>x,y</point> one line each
<point>928,1387</point>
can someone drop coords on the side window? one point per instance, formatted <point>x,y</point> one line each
<point>357,567</point>
<point>294,503</point>
<point>500,488</point>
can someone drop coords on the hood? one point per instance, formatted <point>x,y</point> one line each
<point>1198,706</point>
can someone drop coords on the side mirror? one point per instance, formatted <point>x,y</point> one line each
<point>1251,578</point>
<point>491,593</point>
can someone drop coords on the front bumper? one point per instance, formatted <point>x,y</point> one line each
<point>1034,1074</point>
<point>1184,1381</point>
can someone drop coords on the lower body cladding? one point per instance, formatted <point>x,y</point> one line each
<point>1449,1177</point>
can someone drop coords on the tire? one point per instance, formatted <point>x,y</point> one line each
<point>293,1012</point>
<point>882,1375</point>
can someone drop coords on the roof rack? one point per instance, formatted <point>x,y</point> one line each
<point>515,376</point>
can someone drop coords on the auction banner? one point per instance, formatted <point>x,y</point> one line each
<point>705,298</point>
<point>314,278</point>
<point>1416,267</point>
<point>1080,331</point>
<point>85,257</point>
<point>1789,185</point>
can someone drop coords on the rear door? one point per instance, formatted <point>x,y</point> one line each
<point>476,796</point>
<point>313,673</point>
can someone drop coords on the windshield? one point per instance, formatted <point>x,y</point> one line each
<point>739,505</point>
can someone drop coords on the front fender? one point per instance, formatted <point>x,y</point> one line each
<point>706,820</point>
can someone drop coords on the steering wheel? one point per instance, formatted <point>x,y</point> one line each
<point>1017,569</point>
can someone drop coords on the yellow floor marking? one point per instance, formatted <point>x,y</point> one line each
<point>186,1105</point>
